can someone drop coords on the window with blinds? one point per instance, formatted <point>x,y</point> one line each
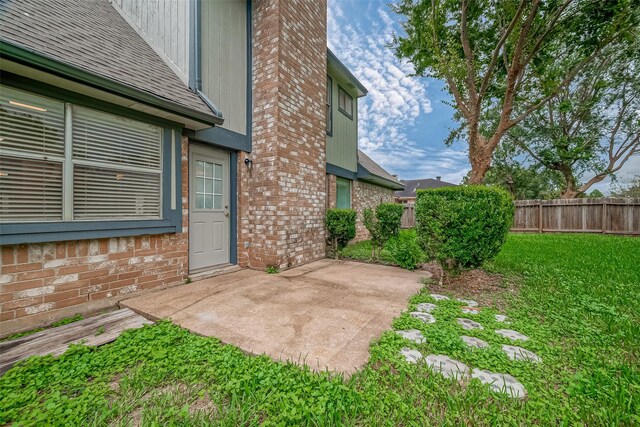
<point>117,167</point>
<point>112,165</point>
<point>31,157</point>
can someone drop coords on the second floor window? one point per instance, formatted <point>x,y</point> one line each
<point>345,103</point>
<point>329,102</point>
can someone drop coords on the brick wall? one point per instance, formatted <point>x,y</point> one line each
<point>365,195</point>
<point>282,196</point>
<point>41,283</point>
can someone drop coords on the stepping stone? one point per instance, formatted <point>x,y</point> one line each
<point>446,366</point>
<point>425,317</point>
<point>412,335</point>
<point>518,353</point>
<point>469,302</point>
<point>411,356</point>
<point>501,318</point>
<point>474,342</point>
<point>512,335</point>
<point>470,310</point>
<point>502,383</point>
<point>468,324</point>
<point>426,307</point>
<point>439,297</point>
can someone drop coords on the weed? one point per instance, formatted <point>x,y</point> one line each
<point>272,269</point>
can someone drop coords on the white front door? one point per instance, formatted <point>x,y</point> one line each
<point>208,208</point>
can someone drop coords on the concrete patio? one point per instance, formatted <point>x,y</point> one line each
<point>323,314</point>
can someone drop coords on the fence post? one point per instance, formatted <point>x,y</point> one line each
<point>540,217</point>
<point>604,216</point>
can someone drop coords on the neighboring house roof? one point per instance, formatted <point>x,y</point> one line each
<point>93,37</point>
<point>411,185</point>
<point>337,66</point>
<point>370,171</point>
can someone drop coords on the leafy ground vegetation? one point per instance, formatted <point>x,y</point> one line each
<point>576,299</point>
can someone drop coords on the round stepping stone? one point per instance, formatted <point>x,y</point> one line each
<point>426,307</point>
<point>470,310</point>
<point>449,368</point>
<point>468,324</point>
<point>439,297</point>
<point>502,383</point>
<point>501,318</point>
<point>512,335</point>
<point>469,302</point>
<point>518,353</point>
<point>411,356</point>
<point>425,317</point>
<point>474,342</point>
<point>412,335</point>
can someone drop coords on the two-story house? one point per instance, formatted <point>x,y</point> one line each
<point>146,143</point>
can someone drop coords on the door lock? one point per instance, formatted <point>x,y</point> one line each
<point>226,214</point>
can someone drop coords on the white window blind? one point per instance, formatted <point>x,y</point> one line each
<point>117,167</point>
<point>30,190</point>
<point>31,157</point>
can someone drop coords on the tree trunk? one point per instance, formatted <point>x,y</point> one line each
<point>570,185</point>
<point>479,167</point>
<point>479,158</point>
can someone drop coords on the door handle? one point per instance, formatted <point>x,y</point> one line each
<point>226,214</point>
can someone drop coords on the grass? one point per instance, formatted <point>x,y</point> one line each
<point>361,251</point>
<point>577,302</point>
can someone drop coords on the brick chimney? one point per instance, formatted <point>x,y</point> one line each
<point>282,197</point>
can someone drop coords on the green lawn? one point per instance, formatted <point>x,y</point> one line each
<point>577,301</point>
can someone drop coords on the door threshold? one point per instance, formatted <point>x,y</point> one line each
<point>216,270</point>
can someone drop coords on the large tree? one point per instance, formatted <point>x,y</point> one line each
<point>591,127</point>
<point>491,52</point>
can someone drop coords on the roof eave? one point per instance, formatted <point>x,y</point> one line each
<point>333,59</point>
<point>36,60</point>
<point>364,175</point>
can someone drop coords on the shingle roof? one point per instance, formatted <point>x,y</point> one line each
<point>375,169</point>
<point>411,185</point>
<point>91,35</point>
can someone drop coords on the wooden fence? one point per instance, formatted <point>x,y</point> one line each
<point>602,215</point>
<point>409,215</point>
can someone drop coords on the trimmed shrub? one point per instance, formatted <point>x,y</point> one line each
<point>461,227</point>
<point>341,228</point>
<point>405,250</point>
<point>382,224</point>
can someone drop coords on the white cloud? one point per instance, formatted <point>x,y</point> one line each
<point>388,114</point>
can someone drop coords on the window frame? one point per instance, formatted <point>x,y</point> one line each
<point>342,91</point>
<point>329,105</point>
<point>171,179</point>
<point>349,184</point>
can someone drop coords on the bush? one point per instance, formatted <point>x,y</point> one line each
<point>461,227</point>
<point>382,224</point>
<point>341,227</point>
<point>405,250</point>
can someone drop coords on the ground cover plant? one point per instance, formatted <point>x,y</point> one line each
<point>576,299</point>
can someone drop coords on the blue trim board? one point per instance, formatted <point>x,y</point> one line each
<point>50,91</point>
<point>223,138</point>
<point>341,172</point>
<point>233,207</point>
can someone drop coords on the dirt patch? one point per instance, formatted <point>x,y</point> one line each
<point>489,289</point>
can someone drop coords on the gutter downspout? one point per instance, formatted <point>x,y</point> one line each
<point>195,71</point>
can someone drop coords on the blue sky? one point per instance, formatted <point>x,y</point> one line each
<point>403,120</point>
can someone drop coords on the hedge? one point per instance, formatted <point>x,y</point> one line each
<point>461,227</point>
